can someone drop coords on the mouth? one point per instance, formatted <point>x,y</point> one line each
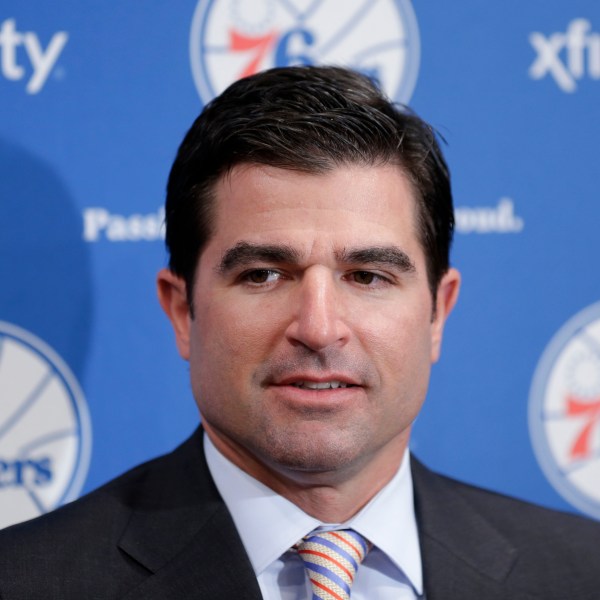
<point>312,393</point>
<point>321,385</point>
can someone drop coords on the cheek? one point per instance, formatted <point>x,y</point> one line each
<point>230,336</point>
<point>397,334</point>
<point>400,349</point>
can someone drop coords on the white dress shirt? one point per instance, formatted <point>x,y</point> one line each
<point>269,525</point>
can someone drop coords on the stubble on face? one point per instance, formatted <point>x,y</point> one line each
<point>309,444</point>
<point>244,350</point>
<point>338,435</point>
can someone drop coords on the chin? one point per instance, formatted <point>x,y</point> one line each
<point>309,454</point>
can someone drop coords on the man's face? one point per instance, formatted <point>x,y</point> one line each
<point>312,338</point>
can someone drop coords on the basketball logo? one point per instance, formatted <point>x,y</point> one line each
<point>564,411</point>
<point>231,39</point>
<point>45,434</point>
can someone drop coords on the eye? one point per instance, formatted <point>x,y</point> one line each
<point>261,276</point>
<point>366,277</point>
<point>370,280</point>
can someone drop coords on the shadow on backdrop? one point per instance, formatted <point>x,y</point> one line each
<point>45,264</point>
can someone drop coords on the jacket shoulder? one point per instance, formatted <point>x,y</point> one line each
<point>86,532</point>
<point>510,543</point>
<point>530,523</point>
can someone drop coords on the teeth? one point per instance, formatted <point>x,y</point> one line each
<point>325,385</point>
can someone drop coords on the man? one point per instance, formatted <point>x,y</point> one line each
<point>309,223</point>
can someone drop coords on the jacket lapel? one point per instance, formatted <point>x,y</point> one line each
<point>464,557</point>
<point>181,532</point>
<point>212,565</point>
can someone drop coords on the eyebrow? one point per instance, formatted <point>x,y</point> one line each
<point>385,256</point>
<point>246,253</point>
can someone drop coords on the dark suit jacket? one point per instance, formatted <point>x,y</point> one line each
<point>162,532</point>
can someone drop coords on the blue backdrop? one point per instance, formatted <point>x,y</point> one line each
<point>94,102</point>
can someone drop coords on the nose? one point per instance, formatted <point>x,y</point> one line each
<point>318,312</point>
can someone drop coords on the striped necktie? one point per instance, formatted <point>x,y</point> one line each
<point>331,559</point>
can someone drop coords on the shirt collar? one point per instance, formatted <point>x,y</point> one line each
<point>389,522</point>
<point>269,524</point>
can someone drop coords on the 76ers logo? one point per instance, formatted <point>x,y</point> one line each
<point>231,39</point>
<point>564,411</point>
<point>45,434</point>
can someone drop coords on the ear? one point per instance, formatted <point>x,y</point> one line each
<point>173,299</point>
<point>447,295</point>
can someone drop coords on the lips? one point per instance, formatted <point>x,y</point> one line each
<point>316,381</point>
<point>321,385</point>
<point>314,393</point>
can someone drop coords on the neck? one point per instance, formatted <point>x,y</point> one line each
<point>330,496</point>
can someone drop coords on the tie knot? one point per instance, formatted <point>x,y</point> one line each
<point>331,559</point>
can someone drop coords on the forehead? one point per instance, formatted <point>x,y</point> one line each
<point>347,206</point>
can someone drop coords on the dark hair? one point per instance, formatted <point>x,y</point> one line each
<point>309,119</point>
